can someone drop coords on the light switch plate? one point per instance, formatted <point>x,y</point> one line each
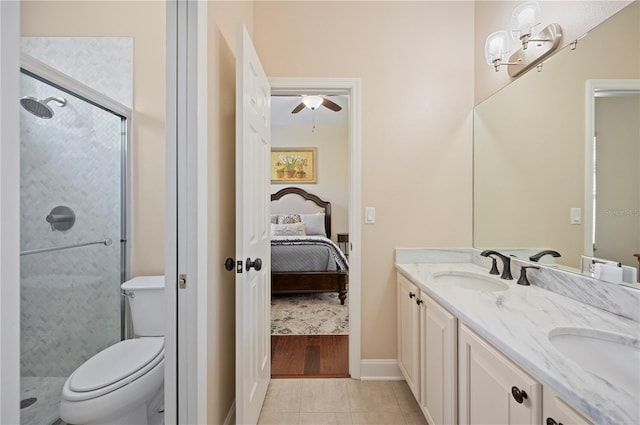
<point>369,215</point>
<point>576,215</point>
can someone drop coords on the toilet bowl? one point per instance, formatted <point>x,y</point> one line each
<point>124,383</point>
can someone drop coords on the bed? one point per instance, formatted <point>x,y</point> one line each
<point>304,261</point>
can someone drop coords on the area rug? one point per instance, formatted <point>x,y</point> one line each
<point>309,314</point>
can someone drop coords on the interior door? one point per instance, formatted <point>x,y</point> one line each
<point>253,250</point>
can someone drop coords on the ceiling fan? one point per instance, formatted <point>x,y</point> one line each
<point>314,101</point>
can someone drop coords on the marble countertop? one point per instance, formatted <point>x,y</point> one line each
<point>517,321</point>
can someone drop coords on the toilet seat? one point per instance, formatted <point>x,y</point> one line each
<point>114,368</point>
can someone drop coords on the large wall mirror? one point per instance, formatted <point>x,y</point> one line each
<point>534,166</point>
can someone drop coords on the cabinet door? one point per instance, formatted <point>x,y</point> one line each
<point>408,334</point>
<point>556,411</point>
<point>486,383</point>
<point>439,363</point>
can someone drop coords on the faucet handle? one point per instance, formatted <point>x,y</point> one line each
<point>494,265</point>
<point>522,280</point>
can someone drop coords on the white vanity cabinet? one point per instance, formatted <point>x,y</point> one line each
<point>409,333</point>
<point>556,411</point>
<point>438,348</point>
<point>492,389</point>
<point>427,352</point>
<point>459,378</point>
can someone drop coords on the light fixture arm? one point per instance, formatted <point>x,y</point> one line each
<point>546,41</point>
<point>498,63</point>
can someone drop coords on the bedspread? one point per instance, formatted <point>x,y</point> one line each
<point>306,253</point>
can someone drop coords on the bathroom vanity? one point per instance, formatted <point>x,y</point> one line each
<point>475,348</point>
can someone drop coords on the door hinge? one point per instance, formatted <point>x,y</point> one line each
<point>182,281</point>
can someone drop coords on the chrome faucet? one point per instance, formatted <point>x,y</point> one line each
<point>536,257</point>
<point>506,263</point>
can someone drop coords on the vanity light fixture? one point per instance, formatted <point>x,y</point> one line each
<point>496,49</point>
<point>535,46</point>
<point>523,20</point>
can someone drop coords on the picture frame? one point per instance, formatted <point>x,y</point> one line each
<point>293,165</point>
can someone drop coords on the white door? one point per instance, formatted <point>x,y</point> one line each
<point>253,281</point>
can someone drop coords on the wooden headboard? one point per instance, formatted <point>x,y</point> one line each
<point>293,200</point>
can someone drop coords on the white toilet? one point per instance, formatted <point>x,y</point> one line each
<point>124,384</point>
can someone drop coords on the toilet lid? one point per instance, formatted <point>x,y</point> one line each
<point>115,363</point>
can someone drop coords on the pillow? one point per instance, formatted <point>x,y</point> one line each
<point>274,218</point>
<point>289,218</point>
<point>314,224</point>
<point>290,229</point>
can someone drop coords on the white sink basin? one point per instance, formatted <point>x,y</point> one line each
<point>471,281</point>
<point>613,357</point>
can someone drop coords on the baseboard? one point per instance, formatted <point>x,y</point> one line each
<point>231,415</point>
<point>380,370</point>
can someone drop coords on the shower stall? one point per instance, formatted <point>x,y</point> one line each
<point>73,231</point>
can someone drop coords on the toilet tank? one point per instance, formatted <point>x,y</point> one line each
<point>146,301</point>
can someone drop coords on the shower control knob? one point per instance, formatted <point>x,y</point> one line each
<point>256,264</point>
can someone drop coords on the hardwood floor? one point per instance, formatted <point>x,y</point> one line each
<point>309,356</point>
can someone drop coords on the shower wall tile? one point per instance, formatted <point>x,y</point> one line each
<point>70,299</point>
<point>102,63</point>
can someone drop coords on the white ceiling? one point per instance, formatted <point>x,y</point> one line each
<point>281,107</point>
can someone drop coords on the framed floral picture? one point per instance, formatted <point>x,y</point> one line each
<point>293,165</point>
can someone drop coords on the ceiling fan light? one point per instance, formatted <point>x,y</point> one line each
<point>312,102</point>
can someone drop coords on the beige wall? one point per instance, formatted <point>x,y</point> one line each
<point>123,19</point>
<point>332,143</point>
<point>223,16</point>
<point>575,19</point>
<point>417,98</point>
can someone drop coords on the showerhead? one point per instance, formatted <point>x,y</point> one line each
<point>39,108</point>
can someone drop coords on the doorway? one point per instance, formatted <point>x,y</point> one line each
<point>309,328</point>
<point>306,350</point>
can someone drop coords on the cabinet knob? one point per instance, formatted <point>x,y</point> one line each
<point>411,295</point>
<point>518,394</point>
<point>551,421</point>
<point>419,301</point>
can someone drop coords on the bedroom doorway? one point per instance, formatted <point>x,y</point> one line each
<point>315,332</point>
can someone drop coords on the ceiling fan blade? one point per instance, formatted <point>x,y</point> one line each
<point>298,108</point>
<point>331,105</point>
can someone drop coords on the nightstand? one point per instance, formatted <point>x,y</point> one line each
<point>343,243</point>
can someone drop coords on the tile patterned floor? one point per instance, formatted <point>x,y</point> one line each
<point>47,390</point>
<point>338,402</point>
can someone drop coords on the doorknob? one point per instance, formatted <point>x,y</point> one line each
<point>229,264</point>
<point>256,264</point>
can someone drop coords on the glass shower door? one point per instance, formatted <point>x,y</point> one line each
<point>73,155</point>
